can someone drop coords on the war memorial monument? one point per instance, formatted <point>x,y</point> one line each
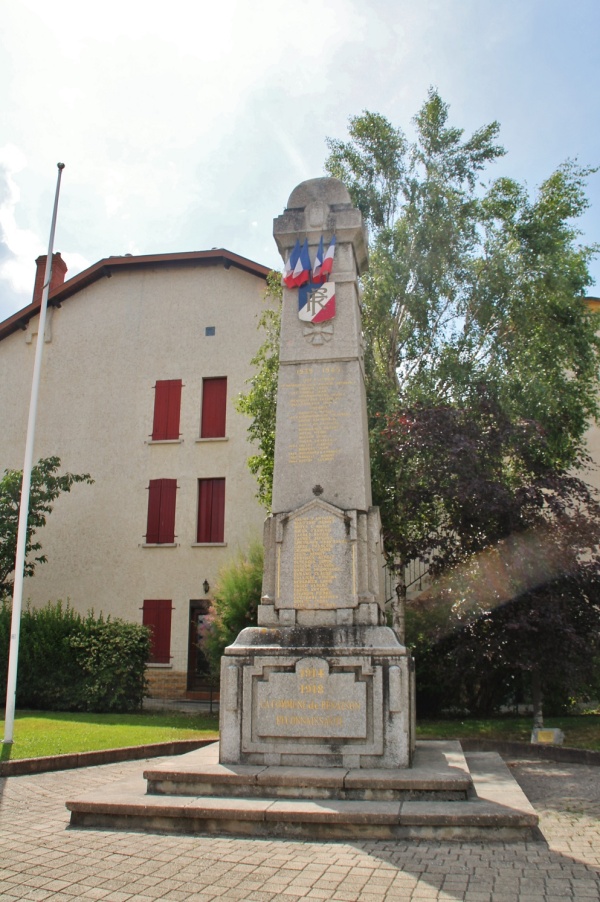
<point>317,718</point>
<point>322,680</point>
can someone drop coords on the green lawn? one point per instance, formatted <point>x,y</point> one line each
<point>38,733</point>
<point>582,732</point>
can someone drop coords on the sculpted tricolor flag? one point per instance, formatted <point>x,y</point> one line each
<point>328,259</point>
<point>288,269</point>
<point>298,270</point>
<point>317,275</point>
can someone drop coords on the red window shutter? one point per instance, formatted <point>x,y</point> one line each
<point>157,616</point>
<point>218,511</point>
<point>160,528</point>
<point>211,510</point>
<point>152,527</point>
<point>214,407</point>
<point>167,407</point>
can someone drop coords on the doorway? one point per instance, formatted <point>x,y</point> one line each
<point>199,683</point>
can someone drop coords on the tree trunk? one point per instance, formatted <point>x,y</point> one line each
<point>399,609</point>
<point>536,698</point>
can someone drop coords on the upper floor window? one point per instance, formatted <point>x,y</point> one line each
<point>214,406</point>
<point>167,406</point>
<point>160,528</point>
<point>211,510</point>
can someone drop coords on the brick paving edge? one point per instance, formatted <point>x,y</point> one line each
<point>23,766</point>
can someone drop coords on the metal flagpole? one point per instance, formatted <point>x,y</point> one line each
<point>15,628</point>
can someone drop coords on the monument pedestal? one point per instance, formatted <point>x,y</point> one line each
<point>317,696</point>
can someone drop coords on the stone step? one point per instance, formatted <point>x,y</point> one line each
<point>440,773</point>
<point>496,810</point>
<point>131,809</point>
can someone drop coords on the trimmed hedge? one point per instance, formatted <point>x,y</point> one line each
<point>72,663</point>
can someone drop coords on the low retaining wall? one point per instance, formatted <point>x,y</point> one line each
<point>532,750</point>
<point>23,766</point>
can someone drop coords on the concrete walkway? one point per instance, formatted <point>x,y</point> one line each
<point>40,858</point>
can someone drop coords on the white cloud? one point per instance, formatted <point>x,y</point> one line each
<point>20,246</point>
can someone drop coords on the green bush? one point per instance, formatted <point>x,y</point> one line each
<point>236,599</point>
<point>72,663</point>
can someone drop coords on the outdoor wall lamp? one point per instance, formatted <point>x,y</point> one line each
<point>206,586</point>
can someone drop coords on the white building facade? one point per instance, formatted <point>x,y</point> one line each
<point>143,359</point>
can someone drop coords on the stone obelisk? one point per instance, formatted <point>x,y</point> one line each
<point>321,681</point>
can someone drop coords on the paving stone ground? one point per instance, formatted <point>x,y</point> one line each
<point>42,858</point>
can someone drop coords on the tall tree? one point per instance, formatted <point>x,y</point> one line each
<point>482,362</point>
<point>46,485</point>
<point>469,286</point>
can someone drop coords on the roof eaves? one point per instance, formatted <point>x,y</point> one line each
<point>104,269</point>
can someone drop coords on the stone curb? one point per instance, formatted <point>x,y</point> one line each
<point>24,766</point>
<point>531,750</point>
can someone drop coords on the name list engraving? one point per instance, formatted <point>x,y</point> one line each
<point>311,702</point>
<point>316,565</point>
<point>317,414</point>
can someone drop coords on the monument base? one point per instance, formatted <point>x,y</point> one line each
<point>446,795</point>
<point>319,697</point>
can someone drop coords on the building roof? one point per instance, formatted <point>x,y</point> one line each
<point>593,304</point>
<point>106,267</point>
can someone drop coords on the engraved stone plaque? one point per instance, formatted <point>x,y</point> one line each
<point>320,438</point>
<point>311,702</point>
<point>317,559</point>
<point>316,397</point>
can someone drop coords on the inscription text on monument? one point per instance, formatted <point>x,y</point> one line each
<point>317,559</point>
<point>311,702</point>
<point>316,401</point>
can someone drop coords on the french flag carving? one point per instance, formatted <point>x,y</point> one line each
<point>316,303</point>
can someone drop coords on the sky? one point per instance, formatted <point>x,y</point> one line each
<point>185,125</point>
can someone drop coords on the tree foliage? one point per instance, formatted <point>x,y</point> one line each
<point>476,656</point>
<point>481,362</point>
<point>459,480</point>
<point>236,599</point>
<point>46,485</point>
<point>474,291</point>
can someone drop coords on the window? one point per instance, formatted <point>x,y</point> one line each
<point>157,615</point>
<point>160,529</point>
<point>214,404</point>
<point>167,405</point>
<point>211,510</point>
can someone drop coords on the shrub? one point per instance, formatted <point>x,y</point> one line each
<point>111,656</point>
<point>236,599</point>
<point>72,663</point>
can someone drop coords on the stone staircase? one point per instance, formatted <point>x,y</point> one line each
<point>446,795</point>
